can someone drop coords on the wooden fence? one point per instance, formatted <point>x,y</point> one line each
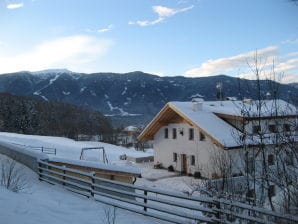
<point>168,206</point>
<point>46,150</point>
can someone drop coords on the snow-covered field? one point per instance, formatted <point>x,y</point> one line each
<point>70,149</point>
<point>43,203</point>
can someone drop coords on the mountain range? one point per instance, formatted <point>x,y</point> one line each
<point>135,97</point>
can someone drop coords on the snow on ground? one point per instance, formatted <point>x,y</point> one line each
<point>70,150</point>
<point>162,179</point>
<point>43,203</point>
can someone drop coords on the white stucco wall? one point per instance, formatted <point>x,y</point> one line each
<point>202,150</point>
<point>292,122</point>
<point>164,148</point>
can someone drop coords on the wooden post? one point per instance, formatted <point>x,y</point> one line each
<point>63,177</point>
<point>218,214</point>
<point>145,200</point>
<point>40,171</point>
<point>92,184</point>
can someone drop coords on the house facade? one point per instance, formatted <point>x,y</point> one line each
<point>182,146</point>
<point>190,135</point>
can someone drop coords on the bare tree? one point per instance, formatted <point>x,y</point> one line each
<point>110,214</point>
<point>12,177</point>
<point>221,165</point>
<point>268,140</point>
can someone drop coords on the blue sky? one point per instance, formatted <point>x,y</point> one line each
<point>166,37</point>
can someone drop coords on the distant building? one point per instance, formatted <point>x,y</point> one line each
<point>187,135</point>
<point>95,138</point>
<point>128,136</point>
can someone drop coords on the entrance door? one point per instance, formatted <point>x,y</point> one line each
<point>183,163</point>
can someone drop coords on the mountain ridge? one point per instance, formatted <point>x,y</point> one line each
<point>134,97</point>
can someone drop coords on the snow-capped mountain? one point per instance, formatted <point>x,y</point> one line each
<point>131,97</point>
<point>51,71</point>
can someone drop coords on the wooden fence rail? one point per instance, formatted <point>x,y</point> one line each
<point>168,206</point>
<point>46,150</point>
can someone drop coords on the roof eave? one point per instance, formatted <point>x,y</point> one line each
<point>142,136</point>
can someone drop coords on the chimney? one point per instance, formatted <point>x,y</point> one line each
<point>197,104</point>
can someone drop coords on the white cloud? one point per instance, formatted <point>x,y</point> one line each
<point>102,30</point>
<point>158,73</point>
<point>72,52</point>
<point>284,71</point>
<point>162,12</point>
<point>146,22</point>
<point>291,41</point>
<point>106,29</point>
<point>15,5</point>
<point>242,65</point>
<point>292,54</point>
<point>222,65</point>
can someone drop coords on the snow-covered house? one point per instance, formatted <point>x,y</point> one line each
<point>187,135</point>
<point>128,136</point>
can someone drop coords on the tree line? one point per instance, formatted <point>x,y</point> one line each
<point>30,116</point>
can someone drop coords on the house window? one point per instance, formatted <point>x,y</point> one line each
<point>256,129</point>
<point>270,160</point>
<point>272,128</point>
<point>174,133</point>
<point>191,134</point>
<point>202,137</point>
<point>166,133</point>
<point>174,157</point>
<point>192,160</point>
<point>271,191</point>
<point>286,127</point>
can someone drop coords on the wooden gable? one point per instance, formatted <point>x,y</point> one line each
<point>164,117</point>
<point>169,114</point>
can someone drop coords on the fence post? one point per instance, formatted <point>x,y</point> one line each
<point>92,184</point>
<point>63,177</point>
<point>145,200</point>
<point>40,171</point>
<point>218,214</point>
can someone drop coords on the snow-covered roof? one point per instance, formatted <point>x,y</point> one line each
<point>205,116</point>
<point>131,128</point>
<point>250,108</point>
<point>209,123</point>
<point>97,165</point>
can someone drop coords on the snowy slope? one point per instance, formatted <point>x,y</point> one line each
<point>70,149</point>
<point>48,204</point>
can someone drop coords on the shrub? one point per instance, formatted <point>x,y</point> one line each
<point>12,176</point>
